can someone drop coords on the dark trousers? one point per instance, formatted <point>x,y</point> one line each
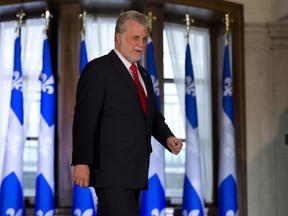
<point>117,202</point>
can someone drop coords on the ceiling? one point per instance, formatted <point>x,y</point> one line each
<point>172,10</point>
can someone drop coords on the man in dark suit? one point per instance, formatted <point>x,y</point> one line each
<point>113,124</point>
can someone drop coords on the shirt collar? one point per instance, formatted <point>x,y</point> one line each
<point>125,61</point>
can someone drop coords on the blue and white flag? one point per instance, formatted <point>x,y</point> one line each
<point>153,200</point>
<point>11,191</point>
<point>84,202</point>
<point>192,192</point>
<point>227,191</point>
<point>44,202</point>
<point>84,199</point>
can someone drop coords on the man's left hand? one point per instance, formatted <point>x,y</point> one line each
<point>174,144</point>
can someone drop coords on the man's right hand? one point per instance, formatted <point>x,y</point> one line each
<point>81,175</point>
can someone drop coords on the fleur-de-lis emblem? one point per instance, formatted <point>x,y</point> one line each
<point>229,148</point>
<point>13,143</point>
<point>48,213</point>
<point>87,212</point>
<point>12,212</point>
<point>45,146</point>
<point>193,148</point>
<point>155,85</point>
<point>190,86</point>
<point>17,81</point>
<point>231,213</point>
<point>156,212</point>
<point>227,91</point>
<point>194,212</point>
<point>47,83</point>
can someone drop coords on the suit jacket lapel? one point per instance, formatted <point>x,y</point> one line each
<point>122,71</point>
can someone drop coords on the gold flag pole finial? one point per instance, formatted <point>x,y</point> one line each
<point>47,16</point>
<point>83,17</point>
<point>227,24</point>
<point>188,20</point>
<point>151,18</point>
<point>20,16</point>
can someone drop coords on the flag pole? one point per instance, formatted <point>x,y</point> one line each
<point>83,48</point>
<point>151,18</point>
<point>47,16</point>
<point>227,179</point>
<point>188,20</point>
<point>84,199</point>
<point>20,16</point>
<point>153,200</point>
<point>193,203</point>
<point>11,185</point>
<point>83,17</point>
<point>228,20</point>
<point>45,179</point>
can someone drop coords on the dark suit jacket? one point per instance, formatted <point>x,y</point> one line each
<point>110,130</point>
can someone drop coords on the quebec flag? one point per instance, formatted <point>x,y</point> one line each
<point>153,200</point>
<point>84,199</point>
<point>192,192</point>
<point>227,191</point>
<point>11,191</point>
<point>44,201</point>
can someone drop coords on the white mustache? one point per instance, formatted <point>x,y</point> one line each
<point>139,49</point>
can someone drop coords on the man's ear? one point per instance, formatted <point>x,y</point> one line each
<point>118,37</point>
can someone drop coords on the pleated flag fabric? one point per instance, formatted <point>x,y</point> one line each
<point>192,192</point>
<point>227,189</point>
<point>84,199</point>
<point>153,200</point>
<point>83,53</point>
<point>44,201</point>
<point>11,189</point>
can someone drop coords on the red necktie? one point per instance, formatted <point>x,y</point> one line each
<point>140,89</point>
